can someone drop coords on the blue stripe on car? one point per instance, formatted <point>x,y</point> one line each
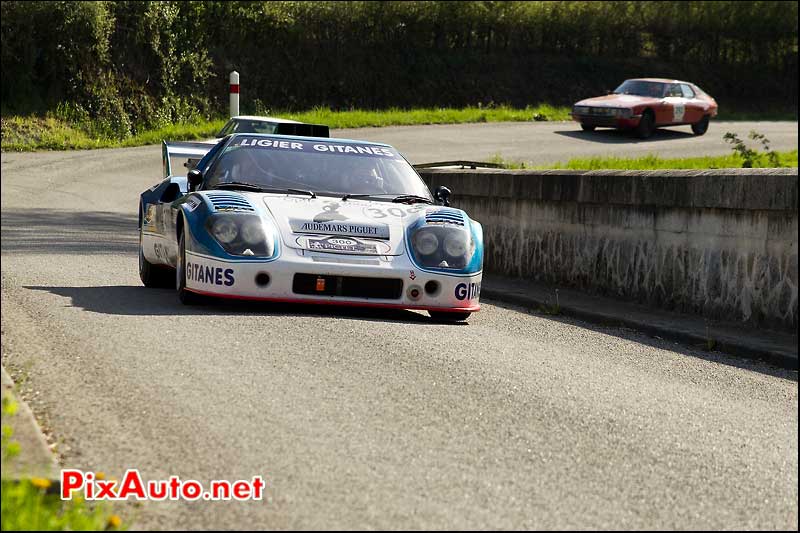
<point>199,239</point>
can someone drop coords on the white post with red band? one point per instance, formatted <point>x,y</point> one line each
<point>234,90</point>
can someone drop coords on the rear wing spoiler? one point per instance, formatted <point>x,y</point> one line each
<point>193,152</point>
<point>301,129</point>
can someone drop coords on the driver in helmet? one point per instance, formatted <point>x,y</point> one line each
<point>362,177</point>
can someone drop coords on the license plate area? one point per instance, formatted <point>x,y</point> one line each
<point>347,286</point>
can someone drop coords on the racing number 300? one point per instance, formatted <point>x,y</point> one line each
<point>375,212</point>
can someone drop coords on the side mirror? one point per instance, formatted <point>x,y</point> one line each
<point>442,195</point>
<point>195,178</point>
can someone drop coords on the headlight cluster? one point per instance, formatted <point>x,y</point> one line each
<point>604,111</point>
<point>241,234</point>
<point>443,247</point>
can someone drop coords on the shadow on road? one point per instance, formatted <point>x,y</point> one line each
<point>612,136</point>
<point>683,349</point>
<point>141,301</point>
<point>56,231</point>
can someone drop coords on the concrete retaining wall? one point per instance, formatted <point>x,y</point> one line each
<point>720,243</point>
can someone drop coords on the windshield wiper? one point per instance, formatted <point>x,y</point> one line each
<point>348,195</point>
<point>238,185</point>
<point>411,199</point>
<point>312,194</point>
<point>399,199</point>
<point>259,188</point>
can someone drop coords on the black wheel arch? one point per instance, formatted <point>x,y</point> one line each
<point>179,225</point>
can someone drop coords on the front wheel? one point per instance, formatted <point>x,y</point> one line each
<point>647,125</point>
<point>700,127</point>
<point>446,316</point>
<point>587,127</point>
<point>186,296</point>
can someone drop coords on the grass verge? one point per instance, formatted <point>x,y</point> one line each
<point>652,162</point>
<point>402,117</point>
<point>28,133</point>
<point>31,504</point>
<point>25,134</point>
<point>27,506</point>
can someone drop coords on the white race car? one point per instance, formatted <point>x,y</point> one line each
<point>308,219</point>
<point>274,125</point>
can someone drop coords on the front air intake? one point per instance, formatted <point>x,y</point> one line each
<point>348,286</point>
<point>445,216</point>
<point>225,201</point>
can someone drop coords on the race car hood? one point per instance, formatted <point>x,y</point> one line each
<point>618,100</point>
<point>335,226</point>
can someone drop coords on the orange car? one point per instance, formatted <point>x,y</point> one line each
<point>644,104</point>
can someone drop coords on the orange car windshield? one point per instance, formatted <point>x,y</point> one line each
<point>652,89</point>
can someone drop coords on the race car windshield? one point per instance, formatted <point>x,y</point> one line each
<point>652,89</point>
<point>247,126</point>
<point>334,168</point>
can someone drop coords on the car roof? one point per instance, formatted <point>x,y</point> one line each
<point>275,120</point>
<point>660,80</point>
<point>296,137</point>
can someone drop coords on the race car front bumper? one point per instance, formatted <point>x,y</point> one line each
<point>608,122</point>
<point>333,279</point>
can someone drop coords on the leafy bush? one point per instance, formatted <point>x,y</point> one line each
<point>749,156</point>
<point>134,66</point>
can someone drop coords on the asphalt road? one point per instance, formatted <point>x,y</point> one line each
<point>368,419</point>
<point>551,142</point>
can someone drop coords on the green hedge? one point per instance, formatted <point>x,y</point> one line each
<point>125,66</point>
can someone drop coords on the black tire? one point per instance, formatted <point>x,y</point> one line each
<point>447,316</point>
<point>587,127</point>
<point>700,127</point>
<point>647,125</point>
<point>186,297</point>
<point>154,276</point>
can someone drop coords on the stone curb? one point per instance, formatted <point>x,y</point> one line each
<point>35,458</point>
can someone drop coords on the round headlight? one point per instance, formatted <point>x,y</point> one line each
<point>224,230</point>
<point>426,242</point>
<point>455,245</point>
<point>252,232</point>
